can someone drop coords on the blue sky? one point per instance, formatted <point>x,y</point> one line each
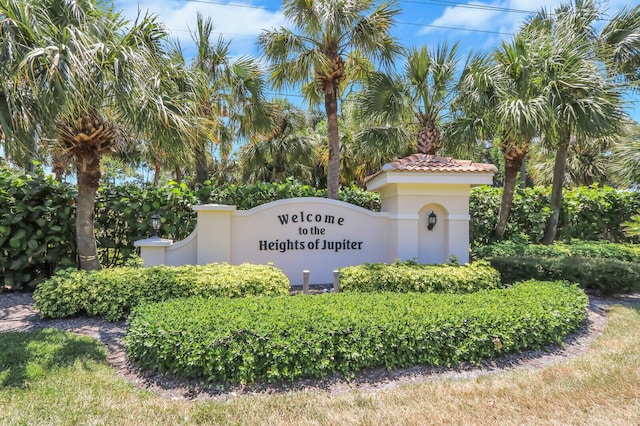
<point>477,25</point>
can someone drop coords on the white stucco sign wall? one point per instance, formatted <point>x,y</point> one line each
<point>315,234</point>
<point>320,235</point>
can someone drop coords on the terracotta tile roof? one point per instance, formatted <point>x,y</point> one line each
<point>434,164</point>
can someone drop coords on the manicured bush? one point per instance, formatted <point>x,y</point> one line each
<point>112,293</point>
<point>284,338</point>
<point>604,276</point>
<point>37,233</point>
<point>411,276</point>
<point>123,212</point>
<point>600,249</point>
<point>588,213</point>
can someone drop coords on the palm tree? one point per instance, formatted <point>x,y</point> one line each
<point>588,162</point>
<point>501,97</point>
<point>284,151</point>
<point>423,91</point>
<point>582,103</point>
<point>76,76</point>
<point>335,39</point>
<point>625,156</point>
<point>619,45</point>
<point>229,94</point>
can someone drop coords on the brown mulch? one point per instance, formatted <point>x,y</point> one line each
<point>17,313</point>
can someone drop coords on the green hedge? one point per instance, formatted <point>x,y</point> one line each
<point>37,227</point>
<point>112,293</point>
<point>600,249</point>
<point>37,217</point>
<point>285,338</point>
<point>605,276</point>
<point>411,276</point>
<point>588,213</point>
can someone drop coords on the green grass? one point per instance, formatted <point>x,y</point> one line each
<point>54,378</point>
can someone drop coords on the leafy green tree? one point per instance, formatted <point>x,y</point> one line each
<point>419,97</point>
<point>83,81</point>
<point>334,42</point>
<point>285,151</point>
<point>581,101</point>
<point>229,94</point>
<point>500,96</point>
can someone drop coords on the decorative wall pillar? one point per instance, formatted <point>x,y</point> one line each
<point>153,250</point>
<point>214,224</point>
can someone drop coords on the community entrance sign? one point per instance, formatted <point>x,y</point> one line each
<point>320,235</point>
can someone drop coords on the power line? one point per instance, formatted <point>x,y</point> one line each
<point>438,3</point>
<point>454,28</point>
<point>470,6</point>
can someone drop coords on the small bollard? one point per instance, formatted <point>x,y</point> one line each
<point>305,281</point>
<point>336,281</point>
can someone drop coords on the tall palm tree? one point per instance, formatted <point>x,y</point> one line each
<point>501,97</point>
<point>424,90</point>
<point>582,102</point>
<point>81,79</point>
<point>230,100</point>
<point>334,39</point>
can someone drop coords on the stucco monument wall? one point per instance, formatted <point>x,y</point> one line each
<point>320,235</point>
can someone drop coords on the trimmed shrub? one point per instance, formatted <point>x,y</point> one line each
<point>246,197</point>
<point>411,276</point>
<point>605,276</point>
<point>600,249</point>
<point>37,233</point>
<point>588,213</point>
<point>285,338</point>
<point>112,293</point>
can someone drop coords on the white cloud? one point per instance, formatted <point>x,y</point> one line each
<point>494,19</point>
<point>238,21</point>
<point>462,17</point>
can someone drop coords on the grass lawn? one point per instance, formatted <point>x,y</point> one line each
<point>50,378</point>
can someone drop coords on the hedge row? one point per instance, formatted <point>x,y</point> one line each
<point>37,227</point>
<point>588,213</point>
<point>604,276</point>
<point>37,217</point>
<point>411,276</point>
<point>285,338</point>
<point>599,249</point>
<point>112,293</point>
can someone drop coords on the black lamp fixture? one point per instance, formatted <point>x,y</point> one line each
<point>432,220</point>
<point>156,221</point>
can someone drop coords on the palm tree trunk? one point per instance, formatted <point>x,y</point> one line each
<point>512,165</point>
<point>88,183</point>
<point>202,169</point>
<point>523,173</point>
<point>333,170</point>
<point>156,172</point>
<point>178,172</point>
<point>556,192</point>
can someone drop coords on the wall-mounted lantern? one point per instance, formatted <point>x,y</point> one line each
<point>432,220</point>
<point>156,221</point>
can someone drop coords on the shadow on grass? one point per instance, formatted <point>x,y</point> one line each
<point>32,355</point>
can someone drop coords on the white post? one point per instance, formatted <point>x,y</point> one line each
<point>305,282</point>
<point>336,281</point>
<point>153,250</point>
